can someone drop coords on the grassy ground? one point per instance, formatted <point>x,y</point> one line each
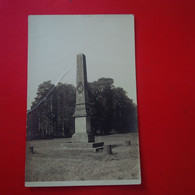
<point>51,161</point>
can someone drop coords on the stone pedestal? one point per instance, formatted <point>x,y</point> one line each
<point>83,130</point>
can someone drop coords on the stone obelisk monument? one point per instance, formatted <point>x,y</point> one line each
<point>83,133</point>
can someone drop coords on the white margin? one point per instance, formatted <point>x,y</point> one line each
<point>83,183</point>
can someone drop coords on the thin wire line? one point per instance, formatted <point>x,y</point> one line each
<point>50,91</point>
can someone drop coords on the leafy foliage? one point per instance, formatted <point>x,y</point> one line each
<point>53,117</point>
<point>111,110</point>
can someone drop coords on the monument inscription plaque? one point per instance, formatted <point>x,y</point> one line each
<point>80,124</point>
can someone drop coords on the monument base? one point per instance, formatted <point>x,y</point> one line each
<point>82,138</point>
<point>84,147</point>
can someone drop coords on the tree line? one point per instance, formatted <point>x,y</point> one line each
<point>51,113</point>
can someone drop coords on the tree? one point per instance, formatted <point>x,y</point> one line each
<point>65,98</point>
<point>124,115</point>
<point>51,112</point>
<point>42,108</point>
<point>112,110</point>
<point>100,95</point>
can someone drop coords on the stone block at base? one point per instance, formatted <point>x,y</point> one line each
<point>82,138</point>
<point>84,145</point>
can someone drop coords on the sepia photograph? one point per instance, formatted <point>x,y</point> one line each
<point>82,125</point>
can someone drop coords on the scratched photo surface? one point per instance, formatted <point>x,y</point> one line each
<point>82,126</point>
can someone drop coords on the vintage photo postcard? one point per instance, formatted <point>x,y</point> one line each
<point>82,124</point>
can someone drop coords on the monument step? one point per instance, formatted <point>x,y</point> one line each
<point>80,150</point>
<point>84,150</point>
<point>84,145</point>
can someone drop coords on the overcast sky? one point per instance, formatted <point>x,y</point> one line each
<point>106,40</point>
